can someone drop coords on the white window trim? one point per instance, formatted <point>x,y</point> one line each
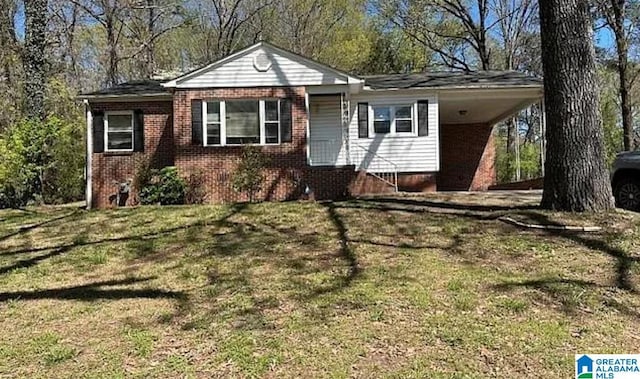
<point>106,130</point>
<point>392,114</point>
<point>223,122</point>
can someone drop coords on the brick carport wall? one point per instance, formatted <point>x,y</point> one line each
<point>467,157</point>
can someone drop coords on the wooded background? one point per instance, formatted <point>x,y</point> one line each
<point>52,50</point>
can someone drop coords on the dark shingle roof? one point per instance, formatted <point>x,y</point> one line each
<point>476,79</point>
<point>435,80</point>
<point>138,87</point>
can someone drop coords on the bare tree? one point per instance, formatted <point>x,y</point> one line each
<point>307,23</point>
<point>576,178</point>
<point>225,24</point>
<point>64,20</point>
<point>515,28</point>
<point>150,21</point>
<point>451,29</point>
<point>464,34</point>
<point>622,17</point>
<point>111,15</point>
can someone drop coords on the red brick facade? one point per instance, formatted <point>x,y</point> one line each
<point>108,168</point>
<point>467,158</point>
<point>287,161</point>
<point>467,155</point>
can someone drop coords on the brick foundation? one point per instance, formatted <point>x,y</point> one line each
<point>467,160</point>
<point>364,183</point>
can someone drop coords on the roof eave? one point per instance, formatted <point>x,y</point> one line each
<point>128,97</point>
<point>458,88</point>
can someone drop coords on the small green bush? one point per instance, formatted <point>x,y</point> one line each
<point>41,161</point>
<point>164,187</point>
<point>249,175</point>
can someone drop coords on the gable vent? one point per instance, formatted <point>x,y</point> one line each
<point>262,62</point>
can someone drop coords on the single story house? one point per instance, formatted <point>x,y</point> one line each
<point>327,133</point>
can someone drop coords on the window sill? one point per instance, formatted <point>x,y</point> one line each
<point>117,153</point>
<point>248,144</point>
<point>402,135</point>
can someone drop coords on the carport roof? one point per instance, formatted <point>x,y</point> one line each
<point>445,80</point>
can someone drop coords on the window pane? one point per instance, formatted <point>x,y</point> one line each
<point>213,111</point>
<point>381,127</point>
<point>381,119</point>
<point>119,140</point>
<point>271,110</point>
<point>381,114</point>
<point>213,134</point>
<point>120,123</point>
<point>403,126</point>
<point>271,131</point>
<point>403,112</point>
<point>243,122</point>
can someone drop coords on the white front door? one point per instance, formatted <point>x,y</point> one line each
<point>325,131</point>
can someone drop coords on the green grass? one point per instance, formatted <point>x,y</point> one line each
<point>350,289</point>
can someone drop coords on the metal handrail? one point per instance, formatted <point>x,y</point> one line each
<point>394,165</point>
<point>380,176</point>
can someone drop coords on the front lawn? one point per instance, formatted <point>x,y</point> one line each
<point>392,288</point>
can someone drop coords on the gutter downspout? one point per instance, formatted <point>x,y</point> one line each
<point>88,160</point>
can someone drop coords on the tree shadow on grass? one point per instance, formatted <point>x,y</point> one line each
<point>564,291</point>
<point>423,207</point>
<point>345,252</point>
<point>446,205</point>
<point>26,263</point>
<point>30,227</point>
<point>81,241</point>
<point>95,291</point>
<point>568,292</point>
<point>624,262</point>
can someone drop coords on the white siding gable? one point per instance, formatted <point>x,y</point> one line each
<point>285,69</point>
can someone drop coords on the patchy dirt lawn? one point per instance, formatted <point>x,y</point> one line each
<point>386,287</point>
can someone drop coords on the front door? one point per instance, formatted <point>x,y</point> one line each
<point>325,131</point>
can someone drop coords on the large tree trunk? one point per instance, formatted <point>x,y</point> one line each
<point>34,57</point>
<point>576,176</point>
